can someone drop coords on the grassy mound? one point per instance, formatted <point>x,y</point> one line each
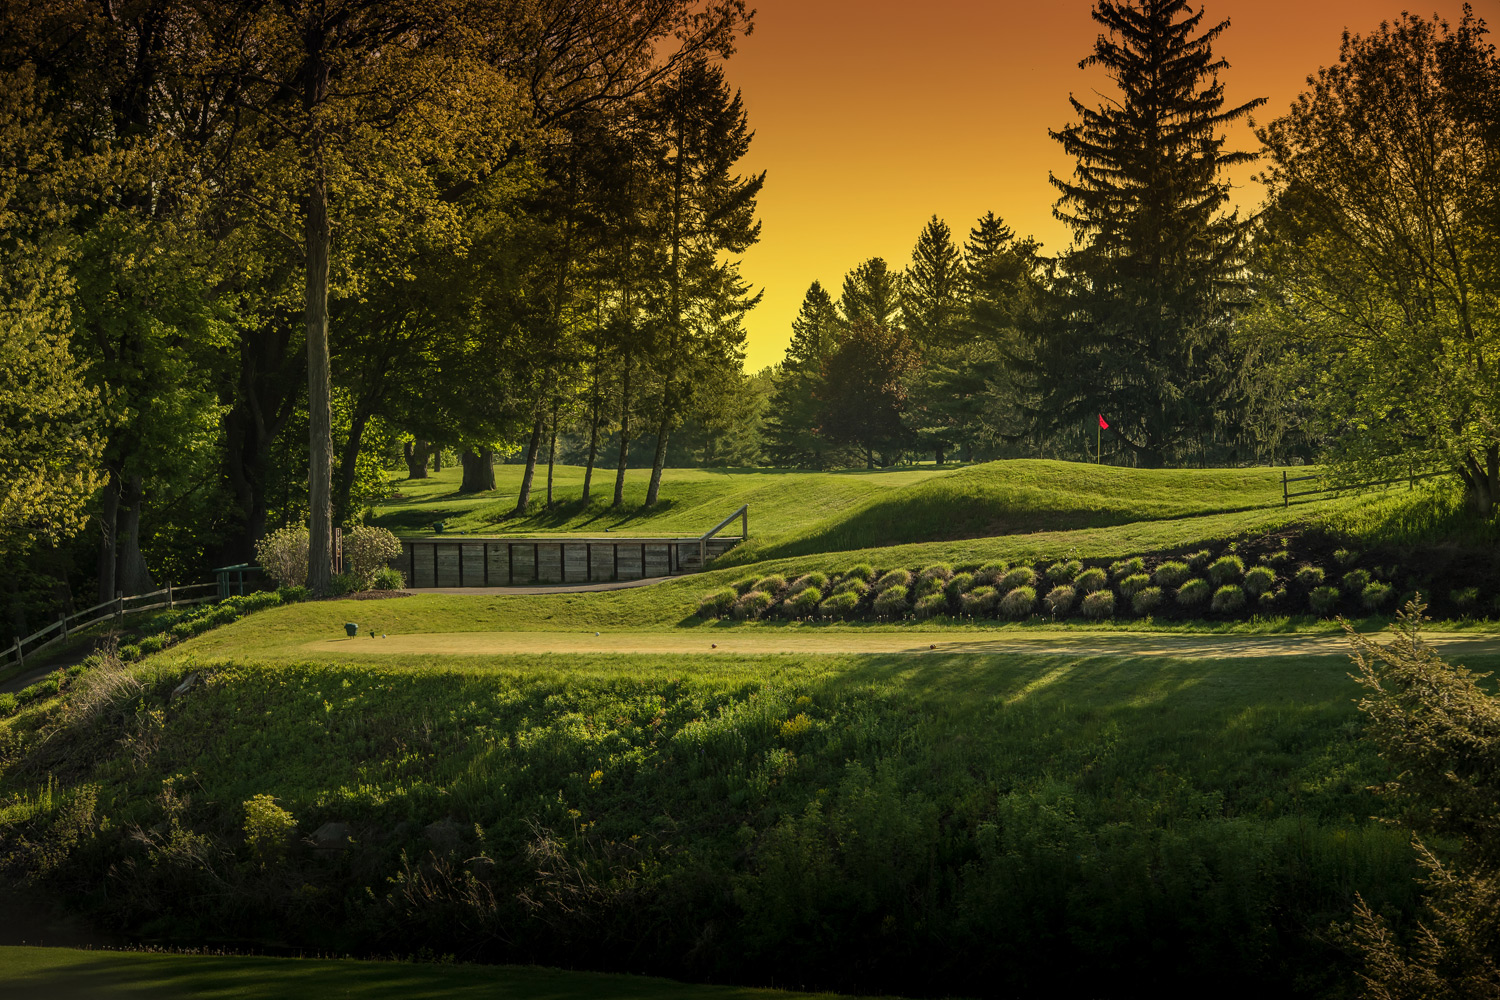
<point>945,824</point>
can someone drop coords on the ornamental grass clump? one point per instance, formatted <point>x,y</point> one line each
<point>1198,561</point>
<point>1355,581</point>
<point>717,604</point>
<point>752,605</point>
<point>839,606</point>
<point>990,572</point>
<point>1172,574</point>
<point>1466,599</point>
<point>818,580</point>
<point>1146,600</point>
<point>1059,600</point>
<point>1194,594</point>
<point>1226,569</point>
<point>895,578</point>
<point>1021,576</point>
<point>1259,580</point>
<point>931,606</point>
<point>1345,557</point>
<point>1309,577</point>
<point>1323,600</point>
<point>959,585</point>
<point>744,586</point>
<point>937,571</point>
<point>1134,584</point>
<point>804,603</point>
<point>1018,603</point>
<point>1375,596</point>
<point>1064,572</point>
<point>1229,599</point>
<point>1270,602</point>
<point>891,602</point>
<point>863,572</point>
<point>980,602</point>
<point>773,584</point>
<point>853,585</point>
<point>1127,567</point>
<point>1099,604</point>
<point>1091,580</point>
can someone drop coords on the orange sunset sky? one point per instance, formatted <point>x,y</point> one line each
<point>871,115</point>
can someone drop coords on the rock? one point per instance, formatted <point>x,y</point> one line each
<point>191,681</point>
<point>445,834</point>
<point>331,837</point>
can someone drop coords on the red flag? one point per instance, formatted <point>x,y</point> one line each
<point>1102,425</point>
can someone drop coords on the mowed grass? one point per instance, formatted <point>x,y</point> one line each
<point>66,973</point>
<point>945,824</point>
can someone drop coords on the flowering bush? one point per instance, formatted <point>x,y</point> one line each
<point>367,549</point>
<point>283,555</point>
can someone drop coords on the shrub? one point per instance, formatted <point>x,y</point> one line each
<point>937,571</point>
<point>980,601</point>
<point>268,827</point>
<point>345,583</point>
<point>990,572</point>
<point>854,586</point>
<point>1134,584</point>
<point>1198,561</point>
<point>958,585</point>
<point>1018,603</point>
<point>291,595</point>
<point>1091,580</point>
<point>839,606</point>
<point>1099,604</point>
<point>1274,559</point>
<point>1259,580</point>
<point>128,652</point>
<point>8,704</point>
<point>1345,557</point>
<point>1059,600</point>
<point>1465,599</point>
<point>1021,576</point>
<point>895,578</point>
<point>387,578</point>
<point>1127,567</point>
<point>1375,596</point>
<point>752,605</point>
<point>1309,577</point>
<point>804,604</point>
<point>1323,600</point>
<point>863,572</point>
<point>1229,599</point>
<point>153,644</point>
<point>1064,572</point>
<point>283,555</point>
<point>1226,569</point>
<point>773,584</point>
<point>1193,594</point>
<point>1146,600</point>
<point>927,586</point>
<point>1355,581</point>
<point>819,580</point>
<point>932,605</point>
<point>744,586</point>
<point>717,604</point>
<point>891,602</point>
<point>1171,574</point>
<point>367,549</point>
<point>1269,601</point>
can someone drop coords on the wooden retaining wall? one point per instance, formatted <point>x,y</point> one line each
<point>466,561</point>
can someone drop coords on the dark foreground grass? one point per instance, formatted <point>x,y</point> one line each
<point>69,974</point>
<point>933,825</point>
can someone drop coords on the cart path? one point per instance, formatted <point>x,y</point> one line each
<point>754,642</point>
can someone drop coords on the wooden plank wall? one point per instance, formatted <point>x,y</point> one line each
<point>469,562</point>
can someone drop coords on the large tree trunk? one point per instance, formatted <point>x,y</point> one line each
<point>416,454</point>
<point>938,457</point>
<point>131,574</point>
<point>479,470</point>
<point>319,384</point>
<point>658,460</point>
<point>1482,482</point>
<point>588,469</point>
<point>524,497</point>
<point>109,510</point>
<point>437,458</point>
<point>349,466</point>
<point>619,500</point>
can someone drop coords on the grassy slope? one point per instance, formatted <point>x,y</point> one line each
<point>65,973</point>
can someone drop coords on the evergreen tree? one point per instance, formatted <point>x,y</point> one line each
<point>932,292</point>
<point>863,394</point>
<point>1145,302</point>
<point>792,418</point>
<point>872,294</point>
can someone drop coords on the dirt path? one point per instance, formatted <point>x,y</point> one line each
<point>705,642</point>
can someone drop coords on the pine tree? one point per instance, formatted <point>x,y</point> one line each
<point>792,422</point>
<point>932,291</point>
<point>872,294</point>
<point>1145,301</point>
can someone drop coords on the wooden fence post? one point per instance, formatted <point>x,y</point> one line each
<point>120,606</point>
<point>20,656</point>
<point>1286,499</point>
<point>171,602</point>
<point>62,617</point>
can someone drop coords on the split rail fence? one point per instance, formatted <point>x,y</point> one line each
<point>1288,494</point>
<point>66,625</point>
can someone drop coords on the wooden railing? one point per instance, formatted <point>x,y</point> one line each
<point>168,597</point>
<point>743,514</point>
<point>1288,494</point>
